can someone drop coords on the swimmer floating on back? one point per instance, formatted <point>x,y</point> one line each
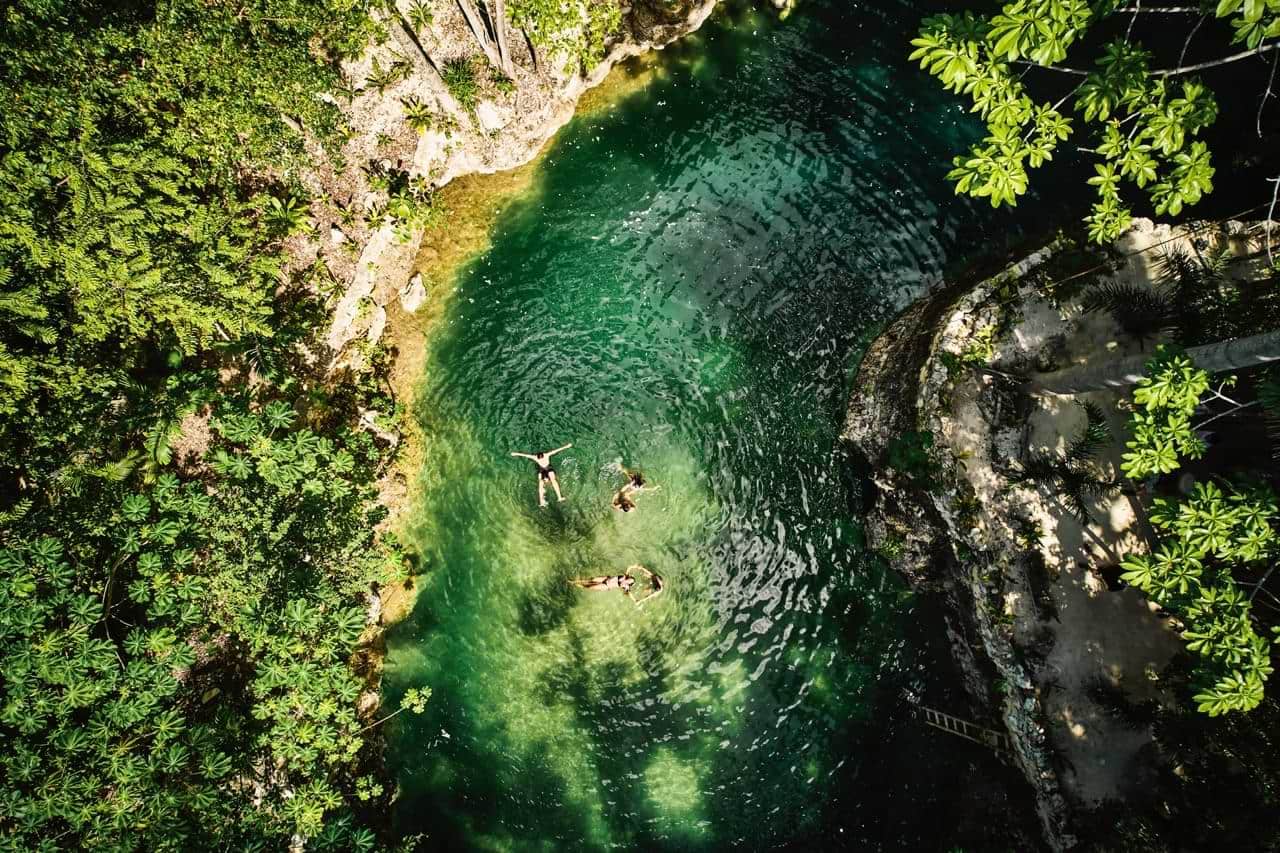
<point>546,474</point>
<point>624,582</point>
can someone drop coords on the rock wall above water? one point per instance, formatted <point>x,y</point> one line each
<point>915,520</point>
<point>506,127</point>
<point>1020,564</point>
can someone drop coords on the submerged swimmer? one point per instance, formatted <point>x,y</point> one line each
<point>624,582</point>
<point>546,474</point>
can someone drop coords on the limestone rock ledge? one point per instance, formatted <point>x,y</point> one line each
<point>898,389</point>
<point>1040,633</point>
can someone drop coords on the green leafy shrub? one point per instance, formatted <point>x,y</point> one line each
<point>287,216</point>
<point>420,15</point>
<point>1190,574</point>
<point>410,206</point>
<point>1166,398</point>
<point>381,78</point>
<point>981,348</point>
<point>574,29</point>
<point>417,114</point>
<point>501,82</point>
<point>461,80</point>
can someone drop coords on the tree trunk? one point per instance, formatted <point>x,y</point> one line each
<point>476,24</point>
<point>1235,354</point>
<point>533,51</point>
<point>500,34</point>
<point>413,37</point>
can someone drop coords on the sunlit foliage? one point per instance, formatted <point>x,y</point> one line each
<point>575,30</point>
<point>1145,120</point>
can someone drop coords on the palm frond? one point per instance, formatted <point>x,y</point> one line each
<point>1269,399</point>
<point>1093,437</point>
<point>1069,477</point>
<point>1141,311</point>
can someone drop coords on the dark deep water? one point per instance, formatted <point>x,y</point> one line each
<point>686,289</point>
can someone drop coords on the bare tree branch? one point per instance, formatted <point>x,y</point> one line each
<point>1271,212</point>
<point>499,9</point>
<point>1208,421</point>
<point>1244,54</point>
<point>1166,72</point>
<point>1267,94</point>
<point>1079,72</point>
<point>1260,583</point>
<point>1186,44</point>
<point>480,31</point>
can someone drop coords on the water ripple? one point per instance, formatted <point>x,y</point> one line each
<point>685,296</point>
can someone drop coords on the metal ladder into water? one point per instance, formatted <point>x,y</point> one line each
<point>997,741</point>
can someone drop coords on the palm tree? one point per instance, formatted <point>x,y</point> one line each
<point>1234,354</point>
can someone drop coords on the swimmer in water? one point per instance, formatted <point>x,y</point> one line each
<point>546,474</point>
<point>624,582</point>
<point>635,483</point>
<point>622,501</point>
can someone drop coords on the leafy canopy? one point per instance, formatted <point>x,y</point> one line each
<point>137,144</point>
<point>573,29</point>
<point>1190,574</point>
<point>176,642</point>
<point>188,646</point>
<point>1145,123</point>
<point>1165,400</point>
<point>1207,538</point>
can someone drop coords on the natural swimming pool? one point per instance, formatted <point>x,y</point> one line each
<point>684,289</point>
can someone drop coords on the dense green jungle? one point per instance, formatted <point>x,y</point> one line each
<point>263,592</point>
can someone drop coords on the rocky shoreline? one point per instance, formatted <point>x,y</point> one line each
<point>372,267</point>
<point>914,527</point>
<point>507,127</point>
<point>944,430</point>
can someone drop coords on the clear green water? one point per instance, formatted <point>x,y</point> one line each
<point>685,290</point>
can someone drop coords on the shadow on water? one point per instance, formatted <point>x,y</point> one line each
<point>547,610</point>
<point>563,523</point>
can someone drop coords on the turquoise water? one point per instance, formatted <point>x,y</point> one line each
<point>685,289</point>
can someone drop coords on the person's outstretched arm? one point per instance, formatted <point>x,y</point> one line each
<point>525,455</point>
<point>652,595</point>
<point>558,449</point>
